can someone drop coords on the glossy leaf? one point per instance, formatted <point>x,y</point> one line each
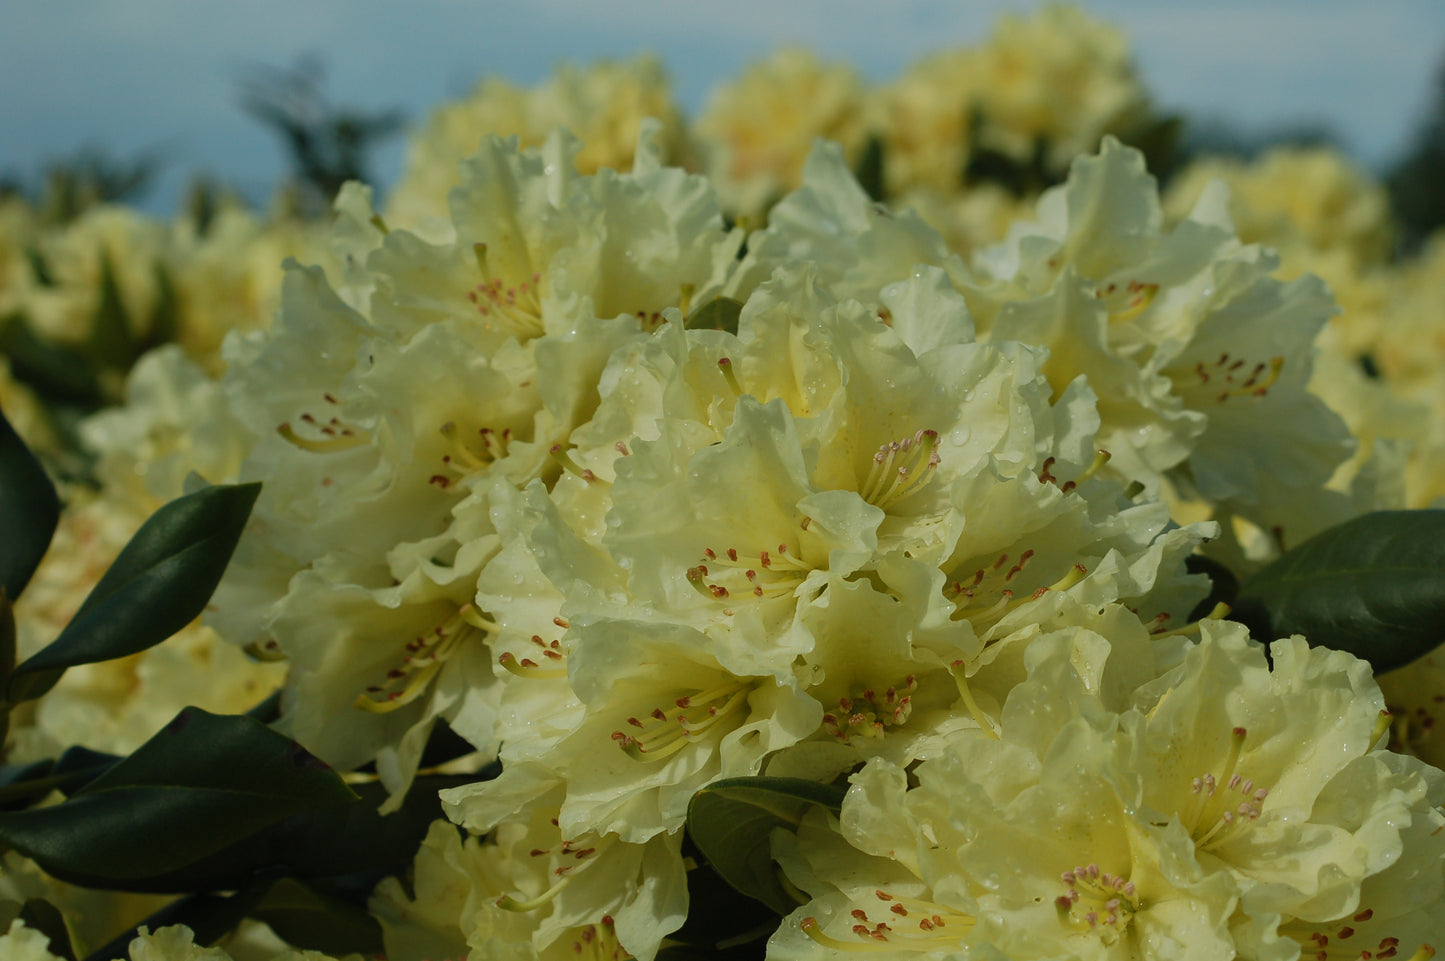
<point>1373,586</point>
<point>29,511</point>
<point>731,920</point>
<point>25,784</point>
<point>1223,585</point>
<point>326,843</point>
<point>200,785</point>
<point>313,920</point>
<point>210,917</point>
<point>731,822</point>
<point>721,313</point>
<point>46,918</point>
<point>160,582</point>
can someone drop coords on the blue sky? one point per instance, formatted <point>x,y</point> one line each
<point>132,75</point>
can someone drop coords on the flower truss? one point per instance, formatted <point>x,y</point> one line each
<point>646,505</point>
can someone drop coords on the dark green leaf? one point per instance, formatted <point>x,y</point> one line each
<point>869,170</point>
<point>56,372</point>
<point>197,787</point>
<point>1223,585</point>
<point>164,324</point>
<point>310,919</point>
<point>1158,139</point>
<point>721,313</point>
<point>1373,586</point>
<point>46,918</point>
<point>210,917</point>
<point>16,780</point>
<point>29,511</point>
<point>24,784</point>
<point>7,660</point>
<point>731,918</point>
<point>112,341</point>
<point>731,821</point>
<point>77,766</point>
<point>688,952</point>
<point>39,268</point>
<point>159,583</point>
<point>268,709</point>
<point>315,844</point>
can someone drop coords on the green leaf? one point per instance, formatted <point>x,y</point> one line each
<point>313,920</point>
<point>7,661</point>
<point>732,820</point>
<point>46,918</point>
<point>159,583</point>
<point>720,313</point>
<point>56,372</point>
<point>201,784</point>
<point>29,511</point>
<point>112,342</point>
<point>210,917</point>
<point>314,844</point>
<point>25,784</point>
<point>1373,586</point>
<point>731,918</point>
<point>869,169</point>
<point>1223,585</point>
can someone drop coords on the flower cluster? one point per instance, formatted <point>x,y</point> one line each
<point>634,512</point>
<point>572,455</point>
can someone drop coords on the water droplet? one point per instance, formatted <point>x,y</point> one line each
<point>959,436</point>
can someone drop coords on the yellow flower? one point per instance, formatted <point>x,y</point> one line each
<point>758,130</point>
<point>604,104</point>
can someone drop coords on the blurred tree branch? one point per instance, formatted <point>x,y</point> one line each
<point>1417,182</point>
<point>327,144</point>
<point>68,186</point>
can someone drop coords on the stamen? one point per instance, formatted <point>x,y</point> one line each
<point>517,307</point>
<point>1103,903</point>
<point>768,573</point>
<point>525,667</point>
<point>337,438</point>
<point>913,924</point>
<point>668,730</point>
<point>1141,296</point>
<point>869,715</point>
<point>960,677</point>
<point>901,468</point>
<point>578,854</point>
<point>465,456</point>
<point>425,655</point>
<point>1100,459</point>
<point>1342,941</point>
<point>508,903</point>
<point>1230,377</point>
<point>725,365</point>
<point>976,602</point>
<point>1218,611</point>
<point>565,459</point>
<point>1215,816</point>
<point>1382,727</point>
